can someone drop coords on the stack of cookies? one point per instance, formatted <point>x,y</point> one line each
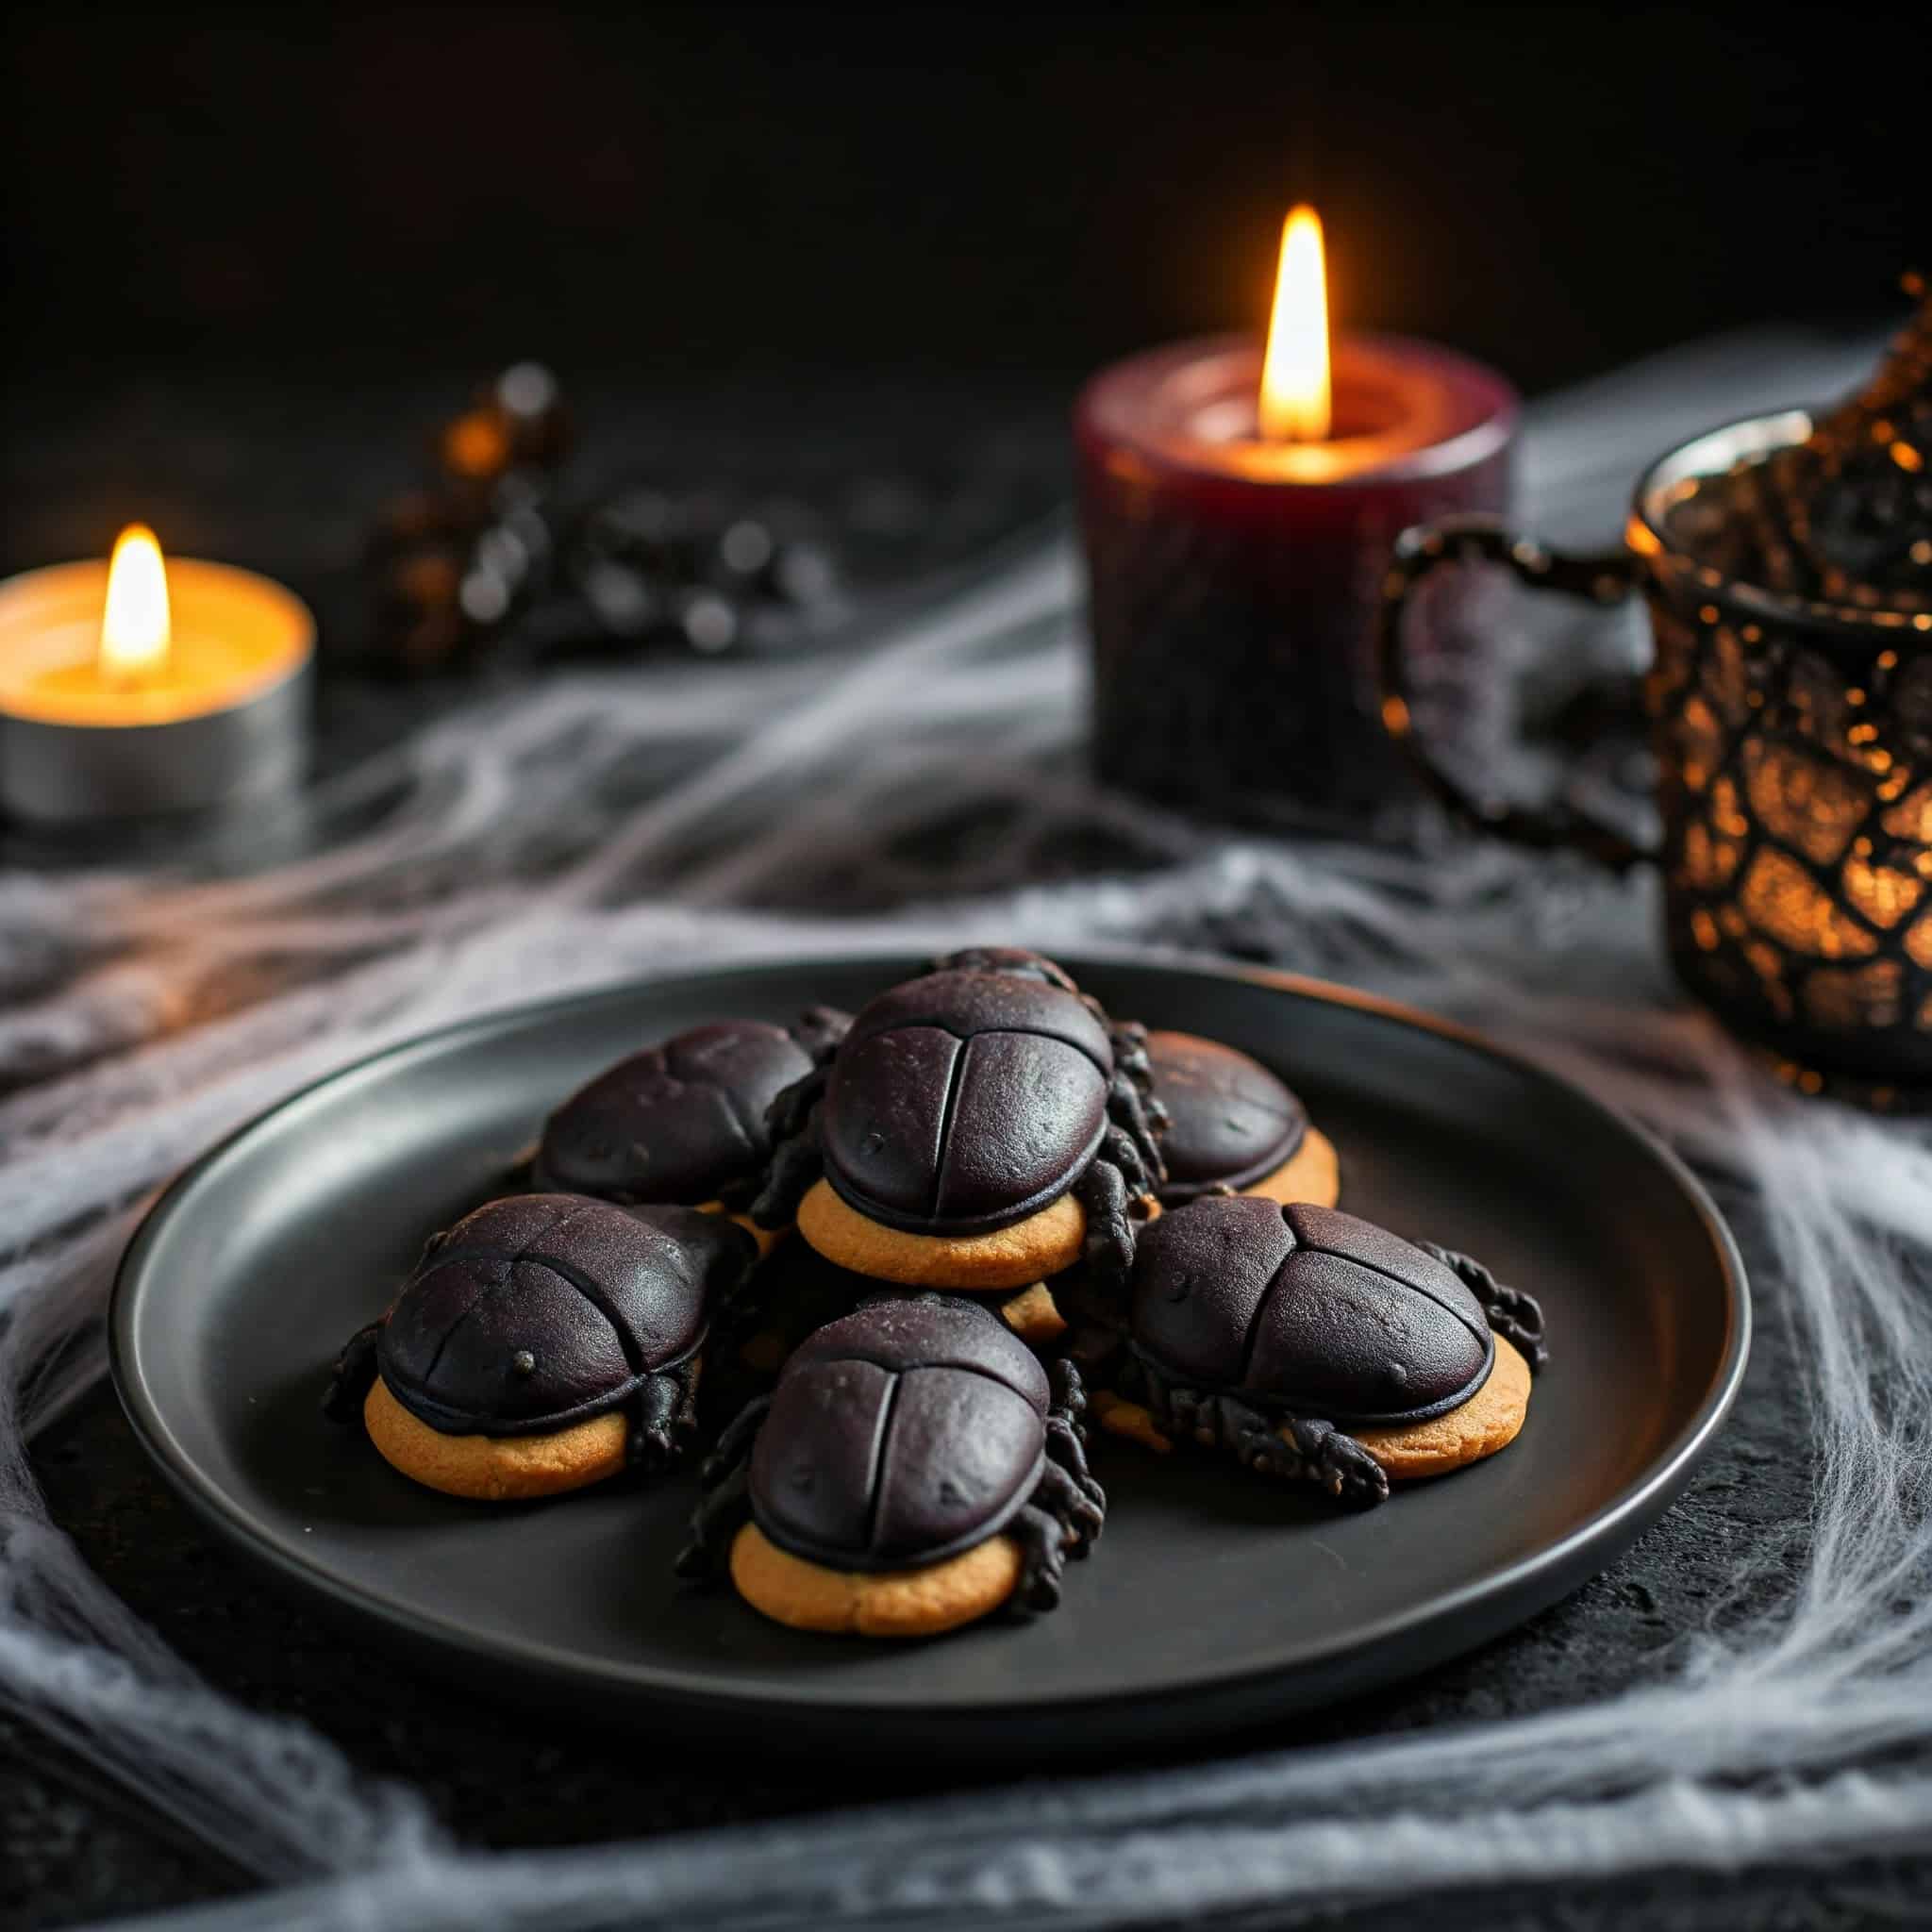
<point>874,1263</point>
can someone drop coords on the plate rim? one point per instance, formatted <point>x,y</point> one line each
<point>1514,1592</point>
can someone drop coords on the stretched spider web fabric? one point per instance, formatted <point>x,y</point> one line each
<point>144,1018</point>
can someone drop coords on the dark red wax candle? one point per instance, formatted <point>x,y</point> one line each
<point>1233,581</point>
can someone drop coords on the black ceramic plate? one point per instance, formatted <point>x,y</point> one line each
<point>1214,1600</point>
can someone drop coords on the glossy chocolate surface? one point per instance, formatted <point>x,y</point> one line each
<point>1308,1310</point>
<point>964,1101</point>
<point>679,1122</point>
<point>901,1434</point>
<point>543,1309</point>
<point>1230,1120</point>
<point>933,1331</point>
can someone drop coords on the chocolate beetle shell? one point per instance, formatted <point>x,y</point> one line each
<point>965,1101</point>
<point>1230,1121</point>
<point>1306,1310</point>
<point>540,1311</point>
<point>901,1434</point>
<point>680,1122</point>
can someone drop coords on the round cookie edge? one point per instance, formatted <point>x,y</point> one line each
<point>1044,1244</point>
<point>1490,1421</point>
<point>1311,1173</point>
<point>494,1469</point>
<point>924,1601</point>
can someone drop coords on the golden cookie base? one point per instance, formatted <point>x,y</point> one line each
<point>494,1469</point>
<point>1489,1420</point>
<point>1034,1316</point>
<point>1312,1173</point>
<point>895,1603</point>
<point>1131,1421</point>
<point>1016,1256</point>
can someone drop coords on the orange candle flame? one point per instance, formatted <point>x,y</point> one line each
<point>134,623</point>
<point>1294,405</point>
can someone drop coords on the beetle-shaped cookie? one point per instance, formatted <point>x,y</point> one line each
<point>544,1343</point>
<point>1226,1124</point>
<point>975,1130</point>
<point>681,1123</point>
<point>1314,1345</point>
<point>1233,1127</point>
<point>914,1468</point>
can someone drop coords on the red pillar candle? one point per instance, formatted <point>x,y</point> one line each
<point>1234,575</point>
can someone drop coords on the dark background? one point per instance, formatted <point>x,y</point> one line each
<point>1019,191</point>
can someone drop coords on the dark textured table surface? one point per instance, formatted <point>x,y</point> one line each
<point>73,1851</point>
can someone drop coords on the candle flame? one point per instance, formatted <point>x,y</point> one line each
<point>1295,376</point>
<point>134,626</point>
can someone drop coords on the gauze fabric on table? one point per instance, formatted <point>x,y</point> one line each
<point>519,864</point>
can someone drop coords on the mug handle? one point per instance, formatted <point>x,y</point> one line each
<point>1606,578</point>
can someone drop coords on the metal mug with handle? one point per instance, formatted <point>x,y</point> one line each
<point>1793,744</point>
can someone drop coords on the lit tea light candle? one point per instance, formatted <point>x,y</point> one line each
<point>141,685</point>
<point>1240,500</point>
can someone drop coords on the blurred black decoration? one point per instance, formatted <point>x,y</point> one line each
<point>495,558</point>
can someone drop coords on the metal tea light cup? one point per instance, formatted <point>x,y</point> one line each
<point>1793,743</point>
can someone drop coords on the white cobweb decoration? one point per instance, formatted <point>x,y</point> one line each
<point>150,1017</point>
